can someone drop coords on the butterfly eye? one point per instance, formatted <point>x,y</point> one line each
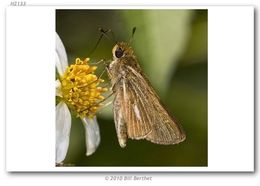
<point>119,53</point>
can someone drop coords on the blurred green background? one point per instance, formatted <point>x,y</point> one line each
<point>171,47</point>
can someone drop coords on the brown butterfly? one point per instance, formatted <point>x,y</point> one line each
<point>138,112</point>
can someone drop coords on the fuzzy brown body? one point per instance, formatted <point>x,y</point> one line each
<point>138,112</point>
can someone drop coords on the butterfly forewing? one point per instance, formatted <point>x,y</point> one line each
<point>146,112</point>
<point>137,123</point>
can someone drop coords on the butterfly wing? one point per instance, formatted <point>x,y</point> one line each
<point>120,123</point>
<point>142,112</point>
<point>127,108</point>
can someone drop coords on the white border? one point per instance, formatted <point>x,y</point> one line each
<point>231,119</point>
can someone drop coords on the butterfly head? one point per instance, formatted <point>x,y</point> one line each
<point>121,50</point>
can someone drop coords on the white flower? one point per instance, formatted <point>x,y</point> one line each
<point>87,114</point>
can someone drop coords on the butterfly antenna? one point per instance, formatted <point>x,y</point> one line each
<point>104,32</point>
<point>132,36</point>
<point>99,39</point>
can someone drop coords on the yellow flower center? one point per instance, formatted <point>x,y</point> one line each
<point>79,88</point>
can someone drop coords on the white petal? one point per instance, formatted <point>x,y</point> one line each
<point>63,125</point>
<point>61,56</point>
<point>92,134</point>
<point>58,86</point>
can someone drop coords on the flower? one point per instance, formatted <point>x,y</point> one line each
<point>78,92</point>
